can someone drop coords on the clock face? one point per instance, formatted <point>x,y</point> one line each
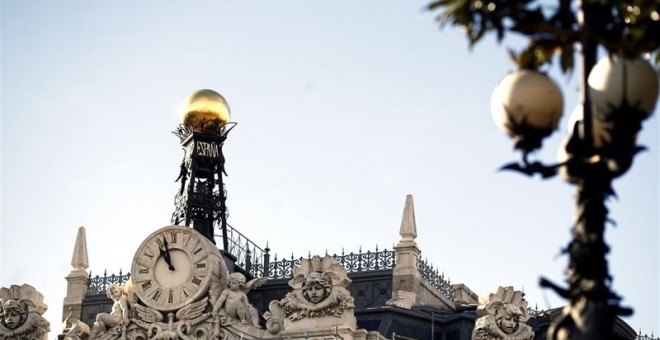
<point>172,267</point>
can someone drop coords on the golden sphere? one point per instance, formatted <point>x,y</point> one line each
<point>205,108</point>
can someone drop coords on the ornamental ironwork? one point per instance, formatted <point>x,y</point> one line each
<point>369,261</point>
<point>282,269</point>
<point>248,255</point>
<point>201,200</point>
<point>98,285</point>
<point>536,312</point>
<point>353,262</point>
<point>435,278</point>
<point>646,336</point>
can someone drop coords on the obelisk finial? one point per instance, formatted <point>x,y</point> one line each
<point>79,259</point>
<point>408,230</point>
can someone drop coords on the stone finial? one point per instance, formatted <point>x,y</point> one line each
<point>78,279</point>
<point>406,277</point>
<point>408,230</point>
<point>79,259</point>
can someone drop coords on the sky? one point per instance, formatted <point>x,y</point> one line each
<point>343,108</point>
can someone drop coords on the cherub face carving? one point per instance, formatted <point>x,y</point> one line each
<point>14,313</point>
<point>508,323</point>
<point>508,318</point>
<point>316,287</point>
<point>236,281</point>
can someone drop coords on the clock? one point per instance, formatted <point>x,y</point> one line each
<point>175,266</point>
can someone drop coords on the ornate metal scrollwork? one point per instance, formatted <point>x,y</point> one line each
<point>98,285</point>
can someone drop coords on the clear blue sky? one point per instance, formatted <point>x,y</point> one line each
<point>343,108</point>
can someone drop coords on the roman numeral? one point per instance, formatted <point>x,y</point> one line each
<point>146,285</point>
<point>196,281</point>
<point>173,237</point>
<point>197,251</point>
<point>185,294</point>
<point>170,298</point>
<point>156,295</point>
<point>144,271</point>
<point>149,255</point>
<point>201,265</point>
<point>160,243</point>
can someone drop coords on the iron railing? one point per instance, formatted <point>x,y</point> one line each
<point>536,312</point>
<point>353,262</point>
<point>98,285</point>
<point>435,278</point>
<point>646,336</point>
<point>249,256</point>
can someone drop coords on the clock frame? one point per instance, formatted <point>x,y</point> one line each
<point>195,259</point>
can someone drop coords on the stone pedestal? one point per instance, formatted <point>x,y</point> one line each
<point>77,282</point>
<point>406,280</point>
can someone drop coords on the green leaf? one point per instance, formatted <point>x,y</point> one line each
<point>566,62</point>
<point>526,59</point>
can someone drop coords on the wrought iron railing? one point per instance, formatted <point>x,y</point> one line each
<point>435,278</point>
<point>278,269</point>
<point>536,312</point>
<point>353,262</point>
<point>249,256</point>
<point>646,336</point>
<point>98,285</point>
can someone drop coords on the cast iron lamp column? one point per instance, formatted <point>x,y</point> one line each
<point>618,93</point>
<point>525,105</point>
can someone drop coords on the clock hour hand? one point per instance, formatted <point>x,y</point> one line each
<point>165,253</point>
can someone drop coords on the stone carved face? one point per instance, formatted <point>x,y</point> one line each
<point>114,292</point>
<point>12,319</point>
<point>508,323</point>
<point>508,317</point>
<point>236,281</point>
<point>315,293</point>
<point>14,313</point>
<point>317,287</point>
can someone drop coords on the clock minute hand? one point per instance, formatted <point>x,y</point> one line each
<point>165,253</point>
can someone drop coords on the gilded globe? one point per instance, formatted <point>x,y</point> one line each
<point>205,110</point>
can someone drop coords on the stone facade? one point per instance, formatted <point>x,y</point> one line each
<point>319,300</point>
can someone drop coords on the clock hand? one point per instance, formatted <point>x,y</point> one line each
<point>165,253</point>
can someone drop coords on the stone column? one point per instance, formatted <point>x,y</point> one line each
<point>406,278</point>
<point>78,278</point>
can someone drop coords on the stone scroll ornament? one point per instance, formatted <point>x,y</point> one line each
<point>319,291</point>
<point>77,329</point>
<point>503,316</point>
<point>21,310</point>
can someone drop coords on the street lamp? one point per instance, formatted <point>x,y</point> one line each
<point>618,94</point>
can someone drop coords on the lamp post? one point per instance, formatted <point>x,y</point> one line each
<point>617,93</point>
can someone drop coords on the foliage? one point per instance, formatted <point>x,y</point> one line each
<point>631,27</point>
